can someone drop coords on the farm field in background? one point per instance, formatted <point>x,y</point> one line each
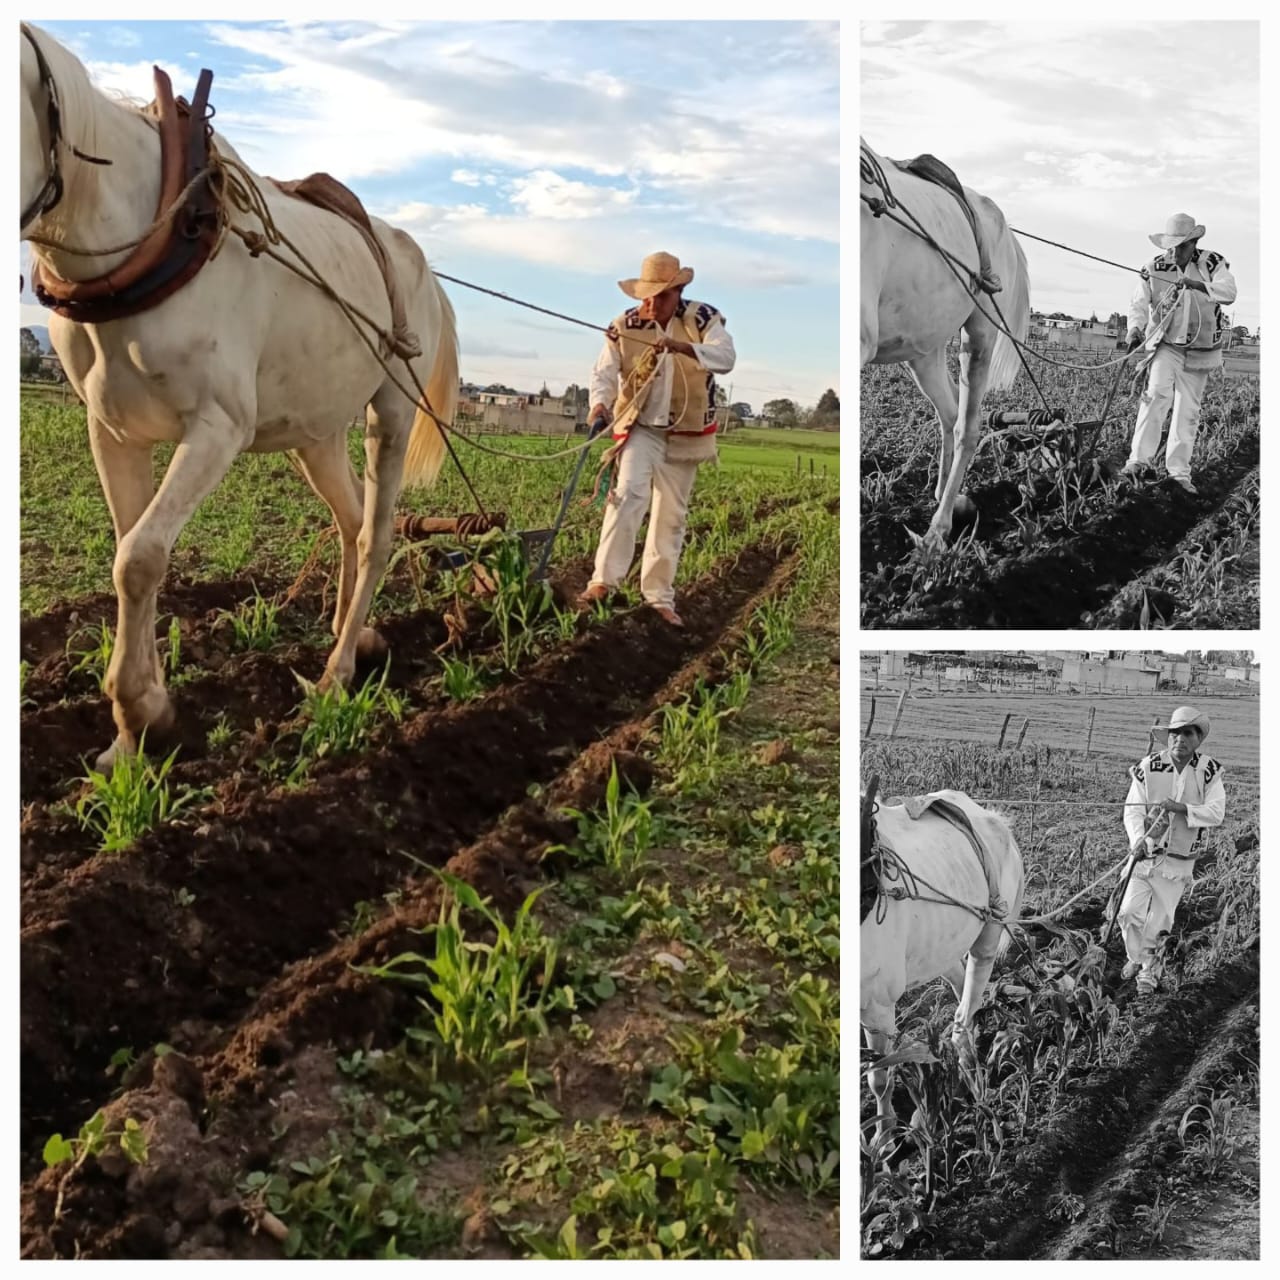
<point>1060,542</point>
<point>1094,1125</point>
<point>636,1053</point>
<point>1061,721</point>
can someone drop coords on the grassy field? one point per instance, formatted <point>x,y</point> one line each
<point>1061,721</point>
<point>265,519</point>
<point>775,449</point>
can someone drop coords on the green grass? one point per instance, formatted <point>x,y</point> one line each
<point>263,519</point>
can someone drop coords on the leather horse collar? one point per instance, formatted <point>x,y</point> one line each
<point>51,193</point>
<point>177,245</point>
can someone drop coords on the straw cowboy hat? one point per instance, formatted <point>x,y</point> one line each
<point>658,271</point>
<point>1182,226</point>
<point>1185,716</point>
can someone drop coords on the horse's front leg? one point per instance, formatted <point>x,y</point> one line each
<point>975,369</point>
<point>933,379</point>
<point>135,682</point>
<point>879,1036</point>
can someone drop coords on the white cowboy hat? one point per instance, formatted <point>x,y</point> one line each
<point>1185,716</point>
<point>658,271</point>
<point>1182,226</point>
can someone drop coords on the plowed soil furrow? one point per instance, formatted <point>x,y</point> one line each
<point>269,880</point>
<point>1066,574</point>
<point>1131,1178</point>
<point>246,1071</point>
<point>1106,1114</point>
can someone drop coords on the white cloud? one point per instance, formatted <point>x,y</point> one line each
<point>545,194</point>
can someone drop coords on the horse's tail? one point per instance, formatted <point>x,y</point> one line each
<point>1005,361</point>
<point>426,452</point>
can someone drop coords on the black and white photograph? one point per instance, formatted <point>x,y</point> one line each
<point>1060,343</point>
<point>1059,960</point>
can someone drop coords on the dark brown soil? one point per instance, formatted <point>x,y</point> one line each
<point>248,971</point>
<point>1065,579</point>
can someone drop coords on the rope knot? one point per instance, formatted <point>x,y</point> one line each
<point>255,242</point>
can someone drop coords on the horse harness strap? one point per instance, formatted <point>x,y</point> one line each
<point>326,192</point>
<point>179,245</point>
<point>931,169</point>
<point>918,806</point>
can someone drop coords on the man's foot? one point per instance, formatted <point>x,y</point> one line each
<point>1130,968</point>
<point>596,591</point>
<point>1147,984</point>
<point>668,615</point>
<point>1134,470</point>
<point>1184,482</point>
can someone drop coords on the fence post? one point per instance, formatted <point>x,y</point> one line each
<point>871,719</point>
<point>1022,733</point>
<point>797,464</point>
<point>1088,742</point>
<point>897,715</point>
<point>810,468</point>
<point>1151,737</point>
<point>1004,729</point>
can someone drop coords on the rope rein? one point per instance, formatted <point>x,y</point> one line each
<point>872,173</point>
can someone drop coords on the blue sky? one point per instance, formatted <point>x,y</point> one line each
<point>1091,134</point>
<point>545,160</point>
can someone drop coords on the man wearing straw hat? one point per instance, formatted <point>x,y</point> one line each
<point>654,383</point>
<point>1174,794</point>
<point>1176,312</point>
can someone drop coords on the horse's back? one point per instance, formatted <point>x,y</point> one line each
<point>915,938</point>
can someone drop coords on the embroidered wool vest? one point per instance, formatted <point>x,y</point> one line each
<point>1206,324</point>
<point>693,388</point>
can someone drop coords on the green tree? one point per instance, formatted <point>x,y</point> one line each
<point>28,353</point>
<point>783,412</point>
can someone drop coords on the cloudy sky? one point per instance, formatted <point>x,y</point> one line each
<point>1091,134</point>
<point>545,160</point>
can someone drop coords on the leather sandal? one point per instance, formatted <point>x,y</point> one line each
<point>668,615</point>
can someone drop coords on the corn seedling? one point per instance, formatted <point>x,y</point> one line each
<point>517,604</point>
<point>220,735</point>
<point>132,798</point>
<point>341,720</point>
<point>1214,1146</point>
<point>95,657</point>
<point>462,679</point>
<point>254,624</point>
<point>24,670</point>
<point>485,1000</point>
<point>173,652</point>
<point>619,836</point>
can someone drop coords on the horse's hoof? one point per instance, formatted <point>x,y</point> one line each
<point>371,646</point>
<point>122,746</point>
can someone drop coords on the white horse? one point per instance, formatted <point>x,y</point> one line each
<point>912,304</point>
<point>246,356</point>
<point>911,939</point>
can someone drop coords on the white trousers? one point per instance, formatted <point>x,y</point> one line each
<point>1169,382</point>
<point>644,474</point>
<point>1147,911</point>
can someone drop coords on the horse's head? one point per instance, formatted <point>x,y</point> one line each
<point>51,78</point>
<point>39,179</point>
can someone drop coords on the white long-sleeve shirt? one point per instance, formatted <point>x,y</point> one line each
<point>1220,287</point>
<point>1198,785</point>
<point>715,353</point>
